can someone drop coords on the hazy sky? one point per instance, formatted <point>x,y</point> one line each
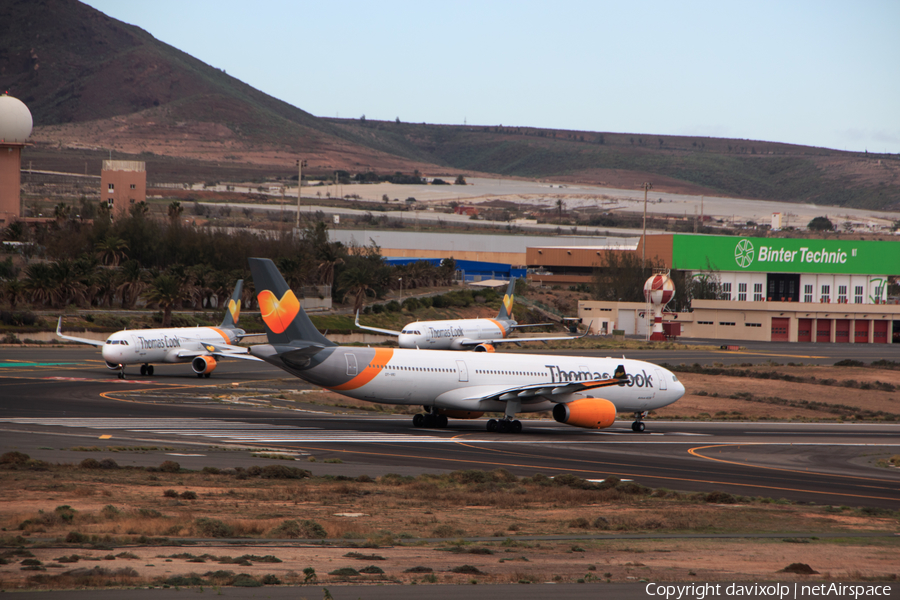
<point>817,72</point>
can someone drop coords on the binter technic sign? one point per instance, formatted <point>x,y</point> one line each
<point>768,255</point>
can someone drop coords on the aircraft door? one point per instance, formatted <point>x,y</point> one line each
<point>136,347</point>
<point>662,380</point>
<point>352,367</point>
<point>462,370</point>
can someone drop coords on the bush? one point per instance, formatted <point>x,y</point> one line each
<point>345,572</point>
<point>74,537</point>
<point>189,495</point>
<point>108,463</point>
<point>283,472</point>
<point>213,528</point>
<point>304,529</point>
<point>14,458</point>
<point>372,570</point>
<point>170,494</point>
<point>469,569</point>
<point>89,463</point>
<point>169,466</point>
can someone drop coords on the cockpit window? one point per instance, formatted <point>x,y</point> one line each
<point>674,378</point>
<point>117,342</point>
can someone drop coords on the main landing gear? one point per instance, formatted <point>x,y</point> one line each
<point>504,426</point>
<point>638,425</point>
<point>508,424</point>
<point>147,370</point>
<point>431,420</point>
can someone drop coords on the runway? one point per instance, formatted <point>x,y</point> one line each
<point>54,401</point>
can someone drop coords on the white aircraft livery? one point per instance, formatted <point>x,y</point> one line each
<point>200,346</point>
<point>580,391</point>
<point>464,334</point>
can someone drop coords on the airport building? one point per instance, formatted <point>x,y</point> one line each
<point>123,183</point>
<point>769,289</point>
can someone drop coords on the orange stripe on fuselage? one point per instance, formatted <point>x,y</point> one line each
<point>500,325</point>
<point>223,334</point>
<point>381,358</point>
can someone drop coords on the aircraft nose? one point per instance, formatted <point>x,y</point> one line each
<point>404,340</point>
<point>109,354</point>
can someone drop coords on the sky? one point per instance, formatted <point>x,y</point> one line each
<point>812,72</point>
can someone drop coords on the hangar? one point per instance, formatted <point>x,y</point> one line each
<point>776,289</point>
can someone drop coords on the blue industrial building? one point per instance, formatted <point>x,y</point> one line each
<point>468,270</point>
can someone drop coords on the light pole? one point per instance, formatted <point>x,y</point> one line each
<point>647,186</point>
<point>300,164</point>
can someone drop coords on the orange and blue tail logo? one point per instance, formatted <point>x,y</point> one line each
<point>235,309</point>
<point>508,304</point>
<point>278,314</point>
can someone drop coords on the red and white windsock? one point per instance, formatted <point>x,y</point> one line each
<point>658,291</point>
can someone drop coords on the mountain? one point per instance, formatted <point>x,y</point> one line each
<point>95,85</point>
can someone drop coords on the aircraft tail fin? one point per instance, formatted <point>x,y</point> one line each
<point>285,320</point>
<point>233,308</point>
<point>506,309</point>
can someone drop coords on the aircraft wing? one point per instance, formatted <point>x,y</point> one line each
<point>219,351</point>
<point>548,389</point>
<point>467,343</point>
<point>59,334</point>
<point>385,331</point>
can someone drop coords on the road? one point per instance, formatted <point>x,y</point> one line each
<point>52,400</point>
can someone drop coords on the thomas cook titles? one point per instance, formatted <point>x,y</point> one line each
<point>558,375</point>
<point>445,333</point>
<point>162,342</point>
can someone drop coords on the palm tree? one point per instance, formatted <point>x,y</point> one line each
<point>14,291</point>
<point>132,280</point>
<point>166,291</point>
<point>175,210</point>
<point>68,287</point>
<point>357,282</point>
<point>140,209</point>
<point>111,250</point>
<point>39,283</point>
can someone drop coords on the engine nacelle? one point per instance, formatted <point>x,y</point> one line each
<point>203,365</point>
<point>591,413</point>
<point>113,366</point>
<point>460,414</point>
<point>484,348</point>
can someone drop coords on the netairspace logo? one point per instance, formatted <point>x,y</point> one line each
<point>699,591</point>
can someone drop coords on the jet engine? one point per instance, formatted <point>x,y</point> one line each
<point>591,413</point>
<point>484,348</point>
<point>460,414</point>
<point>112,366</point>
<point>203,365</point>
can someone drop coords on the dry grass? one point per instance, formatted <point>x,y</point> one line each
<point>395,511</point>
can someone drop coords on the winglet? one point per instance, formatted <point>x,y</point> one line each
<point>233,308</point>
<point>506,308</point>
<point>285,320</point>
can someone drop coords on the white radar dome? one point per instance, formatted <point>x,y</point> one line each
<point>15,120</point>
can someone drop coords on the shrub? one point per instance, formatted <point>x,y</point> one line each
<point>719,497</point>
<point>244,580</point>
<point>282,472</point>
<point>89,463</point>
<point>468,569</point>
<point>170,494</point>
<point>169,466</point>
<point>270,580</point>
<point>189,495</point>
<point>74,537</point>
<point>372,570</point>
<point>344,572</point>
<point>108,463</point>
<point>14,458</point>
<point>299,529</point>
<point>580,523</point>
<point>213,528</point>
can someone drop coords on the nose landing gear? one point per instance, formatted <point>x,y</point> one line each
<point>638,425</point>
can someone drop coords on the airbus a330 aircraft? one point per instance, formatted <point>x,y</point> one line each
<point>464,334</point>
<point>200,346</point>
<point>585,392</point>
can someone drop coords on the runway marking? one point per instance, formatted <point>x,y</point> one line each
<point>35,364</point>
<point>695,452</point>
<point>767,354</point>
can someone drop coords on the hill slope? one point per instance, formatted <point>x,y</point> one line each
<point>96,84</point>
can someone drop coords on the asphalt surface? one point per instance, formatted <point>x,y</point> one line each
<point>55,399</point>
